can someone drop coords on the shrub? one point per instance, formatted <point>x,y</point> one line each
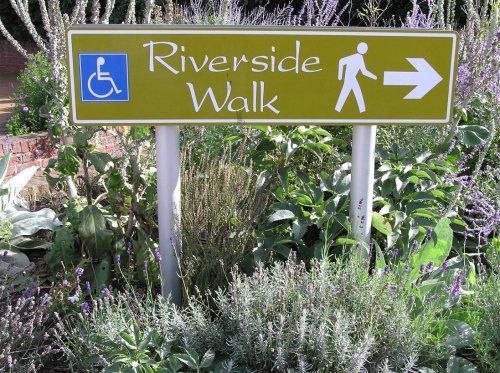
<point>333,317</point>
<point>24,324</point>
<point>483,313</point>
<point>32,97</point>
<point>220,205</point>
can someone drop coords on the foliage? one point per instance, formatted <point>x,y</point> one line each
<point>283,318</point>
<point>97,235</point>
<point>18,223</point>
<point>23,345</point>
<point>483,312</point>
<point>304,206</point>
<point>411,195</point>
<point>32,97</point>
<point>220,207</point>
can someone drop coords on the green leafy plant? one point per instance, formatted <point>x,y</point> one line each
<point>113,222</point>
<point>18,223</point>
<point>32,97</point>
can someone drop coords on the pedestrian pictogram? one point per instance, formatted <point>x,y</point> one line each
<point>104,77</point>
<point>352,65</point>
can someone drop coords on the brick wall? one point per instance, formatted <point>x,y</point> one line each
<point>11,61</point>
<point>36,149</point>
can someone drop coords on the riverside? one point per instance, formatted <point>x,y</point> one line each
<point>174,59</point>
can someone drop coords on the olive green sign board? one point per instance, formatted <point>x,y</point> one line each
<point>228,75</point>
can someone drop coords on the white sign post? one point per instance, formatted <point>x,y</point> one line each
<point>362,179</point>
<point>169,209</point>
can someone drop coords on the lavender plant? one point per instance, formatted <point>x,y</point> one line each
<point>23,338</point>
<point>333,317</point>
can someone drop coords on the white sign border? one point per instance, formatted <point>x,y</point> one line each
<point>268,31</point>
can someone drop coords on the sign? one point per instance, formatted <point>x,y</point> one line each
<point>229,75</point>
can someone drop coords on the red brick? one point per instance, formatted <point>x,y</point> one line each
<point>11,170</point>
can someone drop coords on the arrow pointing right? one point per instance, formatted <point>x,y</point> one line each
<point>424,79</point>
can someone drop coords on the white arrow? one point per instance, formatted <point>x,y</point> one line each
<point>424,79</point>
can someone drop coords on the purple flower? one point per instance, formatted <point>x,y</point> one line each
<point>85,307</point>
<point>455,289</point>
<point>106,293</point>
<point>158,255</point>
<point>88,287</point>
<point>73,299</point>
<point>429,231</point>
<point>414,247</point>
<point>118,259</point>
<point>26,109</point>
<point>8,361</point>
<point>5,254</point>
<point>421,269</point>
<point>129,247</point>
<point>394,253</point>
<point>79,272</point>
<point>444,266</point>
<point>429,266</point>
<point>387,269</point>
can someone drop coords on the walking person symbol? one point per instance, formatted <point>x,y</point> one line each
<point>353,64</point>
<point>102,76</point>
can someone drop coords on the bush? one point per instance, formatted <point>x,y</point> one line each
<point>220,205</point>
<point>24,324</point>
<point>33,100</point>
<point>333,317</point>
<point>484,314</point>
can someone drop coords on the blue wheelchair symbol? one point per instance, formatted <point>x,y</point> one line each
<point>104,77</point>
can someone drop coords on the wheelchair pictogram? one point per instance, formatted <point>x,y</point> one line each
<point>104,77</point>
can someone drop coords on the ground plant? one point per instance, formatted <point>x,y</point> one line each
<point>273,279</point>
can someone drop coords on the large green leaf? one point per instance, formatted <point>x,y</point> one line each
<point>12,262</point>
<point>381,224</point>
<point>459,334</point>
<point>102,162</point>
<point>435,250</point>
<point>15,185</point>
<point>25,243</point>
<point>472,135</point>
<point>458,364</point>
<point>93,232</point>
<point>281,215</point>
<point>100,273</point>
<point>63,250</point>
<point>27,223</point>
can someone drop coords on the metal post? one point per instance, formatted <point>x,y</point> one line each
<point>362,178</point>
<point>169,208</point>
